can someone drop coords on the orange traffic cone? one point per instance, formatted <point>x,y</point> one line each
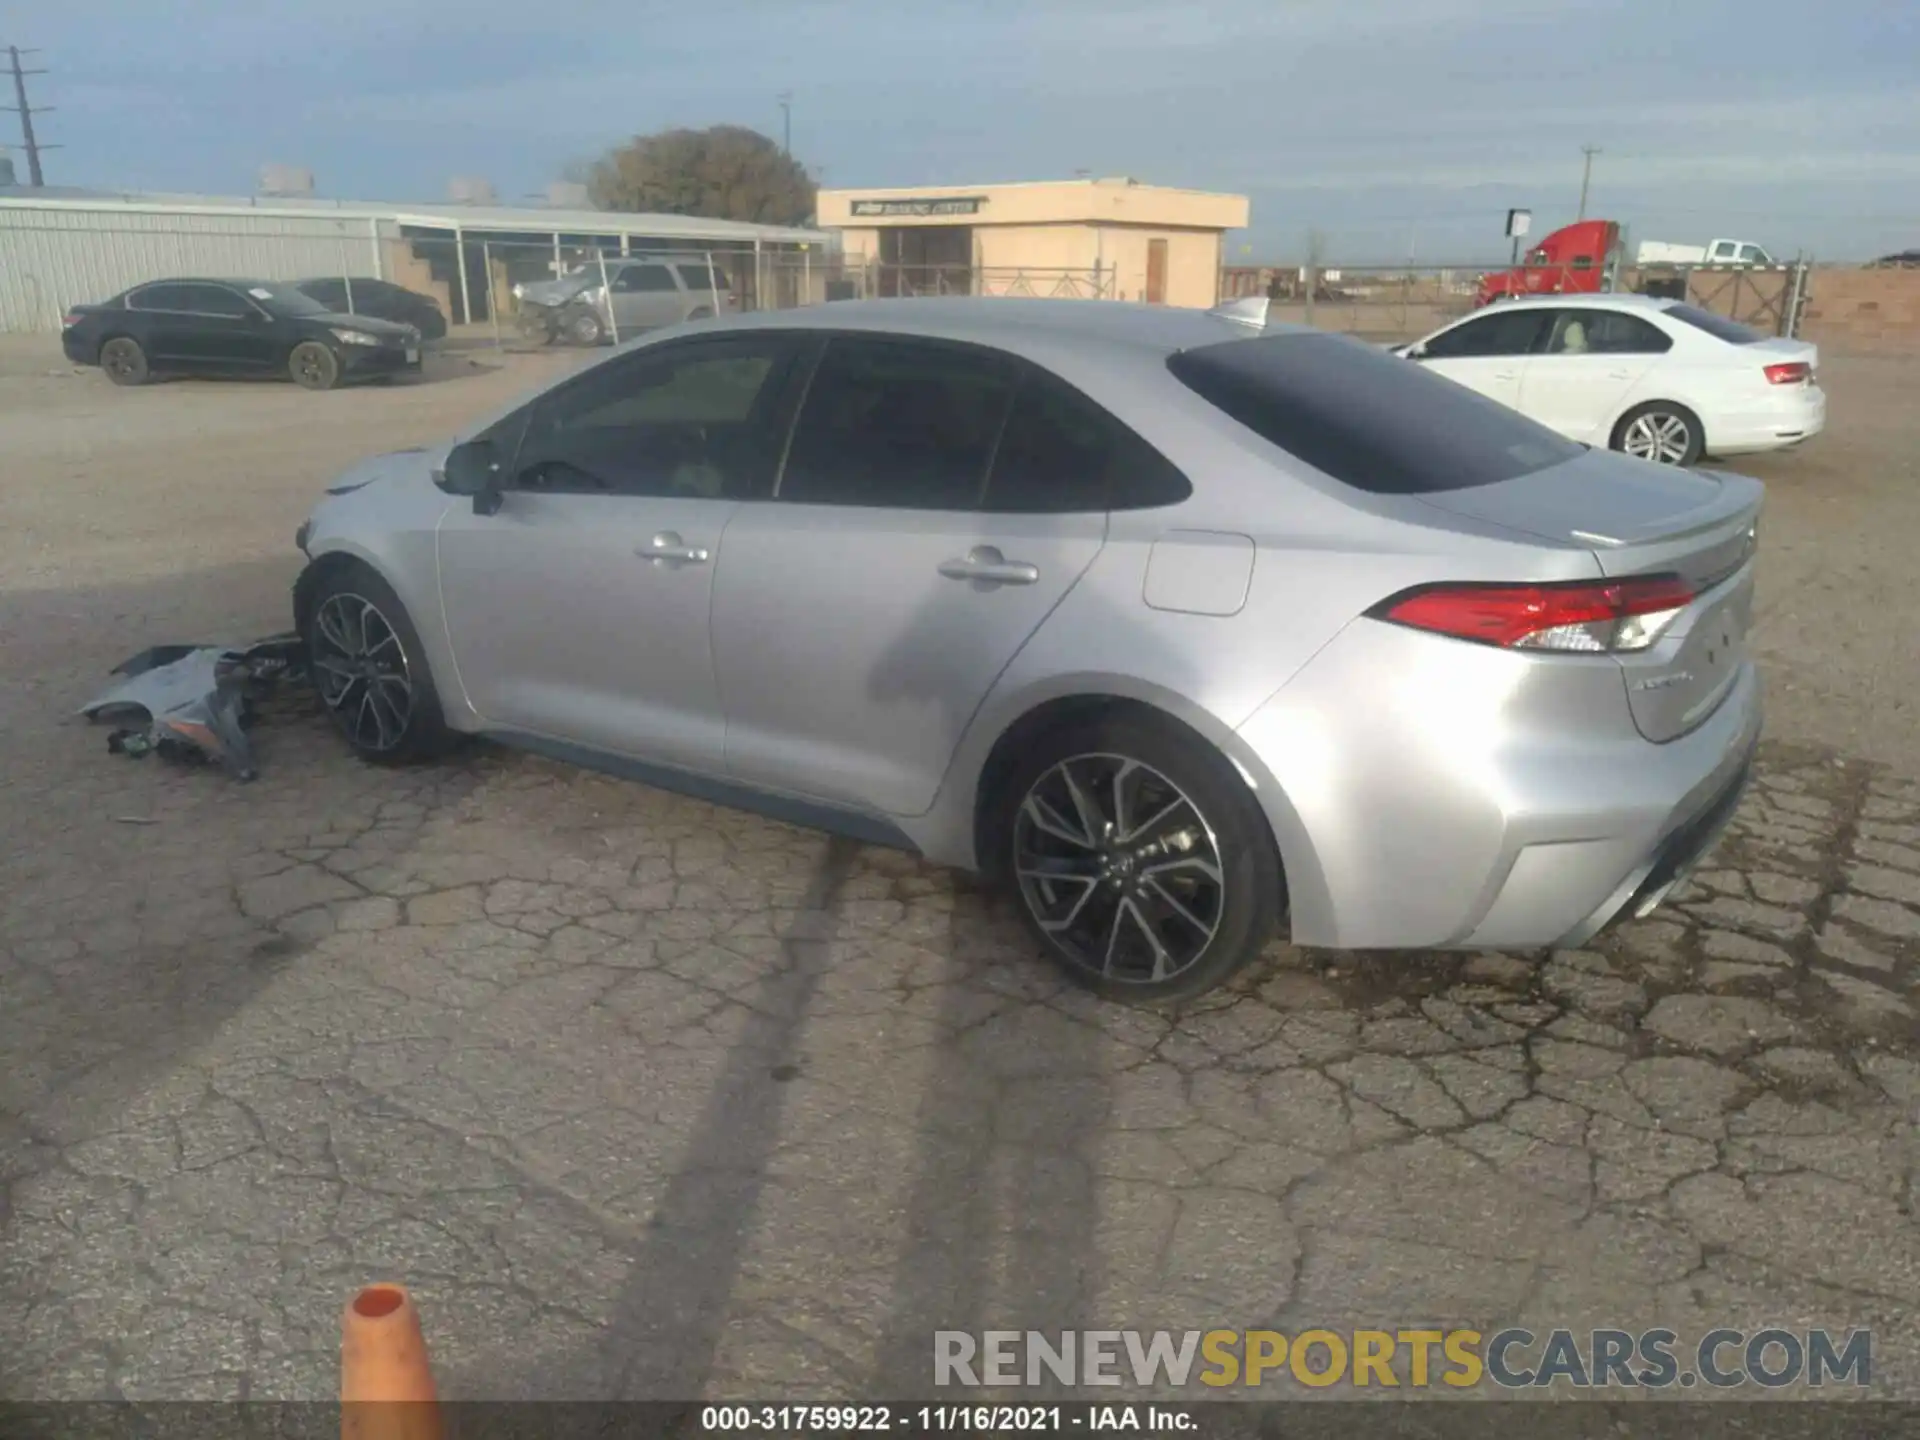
<point>386,1387</point>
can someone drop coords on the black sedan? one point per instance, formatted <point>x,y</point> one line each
<point>382,299</point>
<point>234,328</point>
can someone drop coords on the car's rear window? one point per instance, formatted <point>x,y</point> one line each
<point>1718,326</point>
<point>1367,418</point>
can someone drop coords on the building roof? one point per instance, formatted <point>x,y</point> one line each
<point>530,220</point>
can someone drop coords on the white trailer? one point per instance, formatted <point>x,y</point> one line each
<point>1714,252</point>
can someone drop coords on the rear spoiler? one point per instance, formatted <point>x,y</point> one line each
<point>1250,313</point>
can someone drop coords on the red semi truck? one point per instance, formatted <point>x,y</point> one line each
<point>1570,261</point>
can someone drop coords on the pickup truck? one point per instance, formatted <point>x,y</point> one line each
<point>1716,252</point>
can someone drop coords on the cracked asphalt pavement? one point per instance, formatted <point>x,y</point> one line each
<point>645,1098</point>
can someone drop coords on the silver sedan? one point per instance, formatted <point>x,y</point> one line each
<point>1192,630</point>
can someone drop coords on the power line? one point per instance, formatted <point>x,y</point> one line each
<point>26,113</point>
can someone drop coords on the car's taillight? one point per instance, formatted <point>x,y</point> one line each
<point>1587,617</point>
<point>69,321</point>
<point>1794,372</point>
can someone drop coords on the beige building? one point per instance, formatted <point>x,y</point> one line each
<point>1115,239</point>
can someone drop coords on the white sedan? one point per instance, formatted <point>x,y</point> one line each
<point>1659,379</point>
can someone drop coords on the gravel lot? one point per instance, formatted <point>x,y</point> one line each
<point>650,1099</point>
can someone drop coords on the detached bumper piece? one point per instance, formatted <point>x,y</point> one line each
<point>195,702</point>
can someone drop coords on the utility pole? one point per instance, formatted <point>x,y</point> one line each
<point>1586,177</point>
<point>26,113</point>
<point>785,97</point>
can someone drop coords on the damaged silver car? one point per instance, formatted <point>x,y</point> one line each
<point>591,306</point>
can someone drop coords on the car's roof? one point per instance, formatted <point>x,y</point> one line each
<point>1609,300</point>
<point>1007,322</point>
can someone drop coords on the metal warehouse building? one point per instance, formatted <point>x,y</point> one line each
<point>64,248</point>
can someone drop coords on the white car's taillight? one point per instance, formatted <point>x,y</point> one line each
<point>1603,617</point>
<point>1793,372</point>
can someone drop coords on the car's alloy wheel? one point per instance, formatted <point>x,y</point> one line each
<point>584,328</point>
<point>313,366</point>
<point>362,672</point>
<point>124,361</point>
<point>1119,868</point>
<point>1661,436</point>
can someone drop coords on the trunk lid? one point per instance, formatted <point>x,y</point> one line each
<point>1643,519</point>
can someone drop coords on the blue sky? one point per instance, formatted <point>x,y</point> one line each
<point>1394,127</point>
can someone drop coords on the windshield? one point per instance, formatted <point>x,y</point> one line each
<point>285,300</point>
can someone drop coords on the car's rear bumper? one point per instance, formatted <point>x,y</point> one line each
<point>1431,794</point>
<point>1796,415</point>
<point>76,349</point>
<point>1672,860</point>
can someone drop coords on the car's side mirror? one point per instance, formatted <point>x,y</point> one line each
<point>1415,351</point>
<point>473,468</point>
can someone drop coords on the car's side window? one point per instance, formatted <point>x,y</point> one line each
<point>161,297</point>
<point>644,278</point>
<point>696,277</point>
<point>1605,332</point>
<point>1505,332</point>
<point>899,424</point>
<point>1062,453</point>
<point>331,293</point>
<point>687,420</point>
<point>214,300</point>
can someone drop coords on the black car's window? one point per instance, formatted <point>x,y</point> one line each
<point>1505,332</point>
<point>1718,326</point>
<point>331,293</point>
<point>695,277</point>
<point>898,424</point>
<point>161,297</point>
<point>214,300</point>
<point>690,420</point>
<point>1604,332</point>
<point>644,278</point>
<point>1365,418</point>
<point>1060,452</point>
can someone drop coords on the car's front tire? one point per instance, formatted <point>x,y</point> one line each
<point>313,366</point>
<point>584,328</point>
<point>124,361</point>
<point>1661,431</point>
<point>1137,856</point>
<point>370,670</point>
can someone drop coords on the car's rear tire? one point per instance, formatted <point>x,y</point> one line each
<point>313,366</point>
<point>1661,431</point>
<point>1159,879</point>
<point>124,361</point>
<point>370,670</point>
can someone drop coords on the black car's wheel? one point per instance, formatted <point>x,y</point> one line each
<point>1139,858</point>
<point>313,366</point>
<point>370,671</point>
<point>124,361</point>
<point>584,328</point>
<point>1662,432</point>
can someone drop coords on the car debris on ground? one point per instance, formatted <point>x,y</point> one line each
<point>196,702</point>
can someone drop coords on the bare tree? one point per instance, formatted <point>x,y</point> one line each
<point>727,172</point>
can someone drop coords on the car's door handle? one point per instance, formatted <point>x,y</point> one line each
<point>985,563</point>
<point>1506,374</point>
<point>1619,375</point>
<point>669,548</point>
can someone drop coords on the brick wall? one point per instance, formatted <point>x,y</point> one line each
<point>1863,312</point>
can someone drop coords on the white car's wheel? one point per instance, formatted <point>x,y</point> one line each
<point>1663,432</point>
